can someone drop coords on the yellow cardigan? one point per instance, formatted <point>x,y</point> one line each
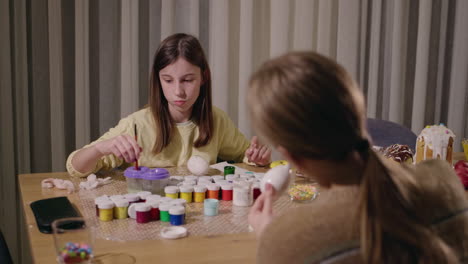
<point>227,143</point>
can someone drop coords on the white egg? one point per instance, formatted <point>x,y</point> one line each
<point>278,177</point>
<point>197,165</point>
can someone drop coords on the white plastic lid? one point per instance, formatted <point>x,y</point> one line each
<point>131,210</point>
<point>191,178</point>
<point>219,177</point>
<point>199,188</point>
<point>171,189</point>
<point>186,188</point>
<point>117,196</point>
<point>165,206</point>
<point>153,197</point>
<point>189,182</point>
<point>165,200</point>
<point>177,210</point>
<point>204,182</point>
<point>121,203</point>
<point>142,207</point>
<point>208,178</point>
<point>153,203</point>
<point>227,186</point>
<point>220,181</point>
<point>231,177</point>
<point>176,178</point>
<point>212,187</point>
<point>101,199</point>
<point>143,194</point>
<point>179,202</point>
<point>131,197</point>
<point>106,205</point>
<point>173,232</point>
<point>256,185</point>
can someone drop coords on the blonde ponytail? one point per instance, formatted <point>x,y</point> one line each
<point>391,230</point>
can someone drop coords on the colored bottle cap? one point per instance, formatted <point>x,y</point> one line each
<point>229,170</point>
<point>171,189</point>
<point>173,232</point>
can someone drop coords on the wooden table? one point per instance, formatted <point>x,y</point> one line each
<point>229,248</point>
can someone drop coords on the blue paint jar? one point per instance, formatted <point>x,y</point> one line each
<point>177,215</point>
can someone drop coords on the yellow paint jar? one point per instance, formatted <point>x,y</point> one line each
<point>186,192</point>
<point>199,193</point>
<point>106,211</point>
<point>172,192</point>
<point>120,209</point>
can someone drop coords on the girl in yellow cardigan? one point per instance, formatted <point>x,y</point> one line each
<point>179,122</point>
<point>370,210</point>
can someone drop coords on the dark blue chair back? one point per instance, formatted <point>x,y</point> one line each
<point>5,257</point>
<point>385,133</point>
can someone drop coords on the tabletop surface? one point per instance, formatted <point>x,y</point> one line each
<point>228,248</point>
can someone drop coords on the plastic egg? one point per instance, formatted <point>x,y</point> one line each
<point>278,177</point>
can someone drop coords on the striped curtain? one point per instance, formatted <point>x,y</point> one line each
<point>69,70</point>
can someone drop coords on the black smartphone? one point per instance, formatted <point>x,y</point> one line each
<point>47,210</point>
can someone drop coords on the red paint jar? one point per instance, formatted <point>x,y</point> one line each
<point>143,213</point>
<point>227,191</point>
<point>154,212</point>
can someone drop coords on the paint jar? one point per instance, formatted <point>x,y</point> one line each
<point>226,191</point>
<point>97,201</point>
<point>133,177</point>
<point>172,192</point>
<point>229,170</point>
<point>164,212</point>
<point>188,182</point>
<point>217,177</point>
<point>120,209</point>
<point>155,180</point>
<point>207,178</point>
<point>177,215</point>
<point>213,191</point>
<point>143,195</point>
<point>143,213</point>
<point>106,211</point>
<point>231,177</point>
<point>186,192</point>
<point>199,193</point>
<point>221,182</point>
<point>191,178</point>
<point>132,198</point>
<point>256,190</point>
<point>153,197</point>
<point>175,180</point>
<point>116,197</point>
<point>204,182</point>
<point>154,213</point>
<point>242,195</point>
<point>210,207</point>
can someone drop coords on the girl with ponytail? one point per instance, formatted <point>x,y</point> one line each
<point>370,210</point>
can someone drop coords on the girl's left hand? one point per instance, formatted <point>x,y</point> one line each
<point>258,153</point>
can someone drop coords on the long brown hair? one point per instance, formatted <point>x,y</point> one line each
<point>319,114</point>
<point>187,47</point>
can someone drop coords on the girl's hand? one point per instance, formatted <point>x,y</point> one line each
<point>258,153</point>
<point>261,212</point>
<point>123,146</point>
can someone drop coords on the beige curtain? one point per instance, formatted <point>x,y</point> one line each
<point>69,70</point>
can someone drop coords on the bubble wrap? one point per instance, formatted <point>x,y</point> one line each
<point>231,219</point>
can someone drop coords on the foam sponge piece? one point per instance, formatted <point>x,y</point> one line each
<point>197,165</point>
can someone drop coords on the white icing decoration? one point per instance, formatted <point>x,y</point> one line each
<point>436,138</point>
